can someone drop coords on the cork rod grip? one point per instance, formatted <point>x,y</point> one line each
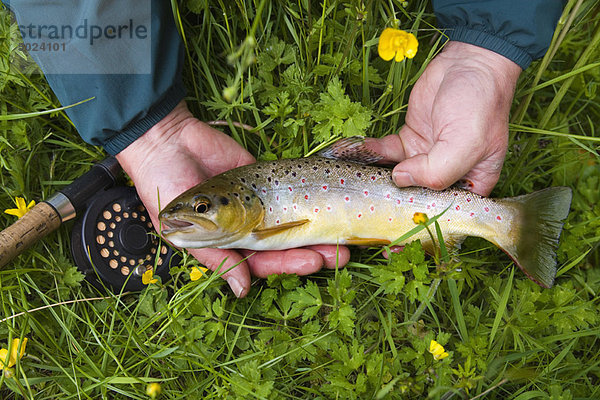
<point>37,223</point>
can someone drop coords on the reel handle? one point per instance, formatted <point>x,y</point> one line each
<point>37,223</point>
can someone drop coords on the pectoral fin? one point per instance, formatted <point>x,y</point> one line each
<point>357,241</point>
<point>275,230</point>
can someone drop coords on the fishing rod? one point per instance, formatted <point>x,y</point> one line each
<point>112,237</point>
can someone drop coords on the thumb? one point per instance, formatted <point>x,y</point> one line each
<point>435,171</point>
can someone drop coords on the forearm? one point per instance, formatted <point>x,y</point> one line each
<point>127,56</point>
<point>519,30</point>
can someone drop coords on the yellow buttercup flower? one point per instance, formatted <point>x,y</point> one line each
<point>397,44</point>
<point>148,277</point>
<point>22,208</point>
<point>197,273</point>
<point>153,390</point>
<point>437,350</point>
<point>15,353</point>
<point>420,218</point>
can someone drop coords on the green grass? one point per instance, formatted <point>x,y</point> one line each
<point>356,333</point>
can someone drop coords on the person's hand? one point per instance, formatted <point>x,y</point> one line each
<point>180,152</point>
<point>457,121</point>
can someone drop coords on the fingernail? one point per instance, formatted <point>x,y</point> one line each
<point>404,179</point>
<point>235,286</point>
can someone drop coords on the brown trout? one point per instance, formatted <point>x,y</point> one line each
<point>317,200</point>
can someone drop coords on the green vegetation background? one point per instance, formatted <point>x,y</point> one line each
<point>310,73</point>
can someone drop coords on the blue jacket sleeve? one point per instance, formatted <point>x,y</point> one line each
<point>127,55</point>
<point>519,30</point>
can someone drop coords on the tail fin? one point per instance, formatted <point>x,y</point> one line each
<point>534,248</point>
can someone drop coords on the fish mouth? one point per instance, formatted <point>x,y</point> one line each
<point>175,225</point>
<point>188,225</point>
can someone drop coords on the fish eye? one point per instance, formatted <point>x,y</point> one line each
<point>201,207</point>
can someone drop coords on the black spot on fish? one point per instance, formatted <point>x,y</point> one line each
<point>247,198</point>
<point>257,175</point>
<point>327,162</point>
<point>315,168</point>
<point>276,182</point>
<point>293,174</point>
<point>242,180</point>
<point>224,201</point>
<point>236,194</point>
<point>379,173</point>
<point>253,186</point>
<point>327,171</point>
<point>269,179</point>
<point>273,171</point>
<point>358,174</point>
<point>337,165</point>
<point>299,166</point>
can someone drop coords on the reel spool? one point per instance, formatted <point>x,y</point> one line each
<point>115,240</point>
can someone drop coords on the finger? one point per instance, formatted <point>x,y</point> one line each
<point>230,263</point>
<point>390,147</point>
<point>293,261</point>
<point>443,165</point>
<point>333,256</point>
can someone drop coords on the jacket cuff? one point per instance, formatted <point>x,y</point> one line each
<point>141,125</point>
<point>491,42</point>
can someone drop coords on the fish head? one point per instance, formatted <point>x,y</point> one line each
<point>211,214</point>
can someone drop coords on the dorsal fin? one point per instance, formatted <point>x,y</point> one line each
<point>351,149</point>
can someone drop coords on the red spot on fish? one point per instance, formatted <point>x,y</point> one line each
<point>342,181</point>
<point>285,209</point>
<point>328,208</point>
<point>390,219</point>
<point>499,218</point>
<point>270,209</point>
<point>316,210</point>
<point>347,198</point>
<point>457,208</point>
<point>290,189</point>
<point>277,198</point>
<point>325,187</point>
<point>448,219</point>
<point>432,204</point>
<point>366,192</point>
<point>398,201</point>
<point>359,215</point>
<point>303,180</point>
<point>305,197</point>
<point>388,196</point>
<point>471,214</point>
<point>373,177</point>
<point>486,209</point>
<point>428,207</point>
<point>295,207</point>
<point>277,222</point>
<point>372,208</point>
<point>468,199</point>
<point>264,190</point>
<point>410,200</point>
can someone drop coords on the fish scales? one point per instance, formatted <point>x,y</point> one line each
<point>345,201</point>
<point>299,202</point>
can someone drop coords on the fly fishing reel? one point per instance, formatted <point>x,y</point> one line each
<point>115,241</point>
